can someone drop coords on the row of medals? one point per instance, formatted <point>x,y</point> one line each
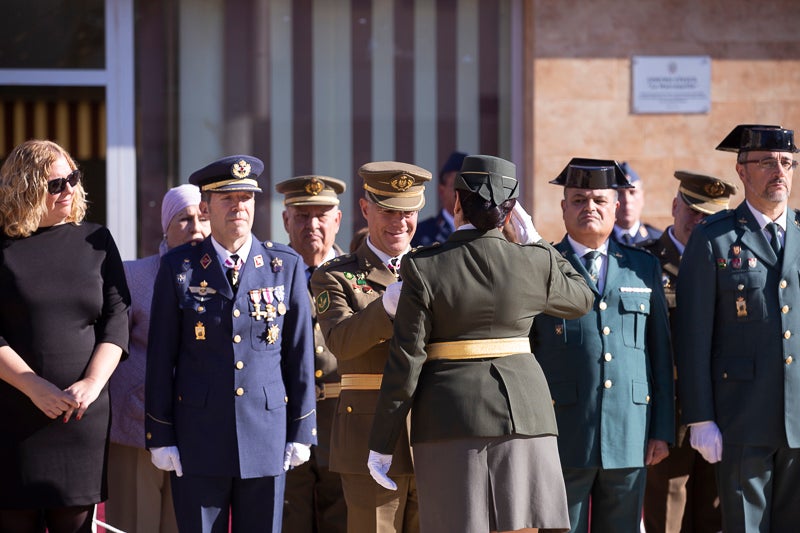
<point>273,307</point>
<point>269,313</point>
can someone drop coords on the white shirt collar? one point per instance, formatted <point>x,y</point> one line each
<point>632,231</point>
<point>581,250</point>
<point>384,257</point>
<point>763,219</point>
<point>243,252</point>
<point>680,246</point>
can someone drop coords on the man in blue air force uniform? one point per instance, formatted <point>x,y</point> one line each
<point>230,368</point>
<point>610,371</point>
<point>737,338</point>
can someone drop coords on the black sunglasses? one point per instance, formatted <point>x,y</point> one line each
<point>58,185</point>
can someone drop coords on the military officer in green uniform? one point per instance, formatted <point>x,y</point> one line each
<point>681,493</point>
<point>737,338</point>
<point>609,372</point>
<point>356,297</point>
<point>314,501</point>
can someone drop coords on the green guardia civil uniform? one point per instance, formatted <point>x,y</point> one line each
<point>737,343</point>
<point>610,374</point>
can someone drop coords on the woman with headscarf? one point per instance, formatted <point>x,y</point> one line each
<point>483,429</point>
<point>63,329</point>
<point>140,498</point>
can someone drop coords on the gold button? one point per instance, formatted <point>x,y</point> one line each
<point>239,391</point>
<point>239,365</point>
<point>236,313</point>
<point>200,308</point>
<point>647,399</point>
<point>349,409</point>
<point>237,339</point>
<point>269,244</point>
<point>789,360</point>
<point>785,309</point>
<point>603,306</point>
<point>607,356</point>
<point>149,436</point>
<point>314,431</point>
<point>606,330</point>
<point>381,340</point>
<point>787,334</point>
<point>607,384</point>
<point>319,349</point>
<point>285,399</point>
<point>724,375</point>
<point>641,307</point>
<point>318,373</point>
<point>740,287</point>
<point>783,284</point>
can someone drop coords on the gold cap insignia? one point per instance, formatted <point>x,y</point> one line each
<point>241,169</point>
<point>402,182</point>
<point>714,189</point>
<point>314,187</point>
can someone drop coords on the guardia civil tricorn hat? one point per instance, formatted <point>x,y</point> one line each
<point>492,178</point>
<point>758,137</point>
<point>583,173</point>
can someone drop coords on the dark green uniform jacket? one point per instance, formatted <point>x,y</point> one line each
<point>475,286</point>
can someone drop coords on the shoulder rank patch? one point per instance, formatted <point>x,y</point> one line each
<point>323,302</point>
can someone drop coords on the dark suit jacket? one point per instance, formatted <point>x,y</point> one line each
<point>610,371</point>
<point>216,386</point>
<point>738,334</point>
<point>476,286</point>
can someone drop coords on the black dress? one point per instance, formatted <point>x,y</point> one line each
<point>62,292</point>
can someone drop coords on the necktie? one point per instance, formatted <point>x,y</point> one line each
<point>309,271</point>
<point>233,263</point>
<point>774,239</point>
<point>394,266</point>
<point>591,265</point>
<point>626,238</point>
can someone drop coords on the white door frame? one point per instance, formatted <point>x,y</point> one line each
<point>118,80</point>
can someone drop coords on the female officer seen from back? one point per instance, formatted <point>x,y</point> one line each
<point>482,423</point>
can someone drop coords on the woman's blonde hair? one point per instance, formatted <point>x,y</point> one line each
<point>23,187</point>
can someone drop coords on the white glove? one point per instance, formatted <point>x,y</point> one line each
<point>167,458</point>
<point>390,298</point>
<point>706,439</point>
<point>379,465</point>
<point>295,454</point>
<point>523,225</point>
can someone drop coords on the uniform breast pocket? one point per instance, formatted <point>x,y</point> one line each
<point>634,308</point>
<point>742,295</point>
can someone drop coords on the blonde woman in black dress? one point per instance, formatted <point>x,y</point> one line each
<point>63,329</point>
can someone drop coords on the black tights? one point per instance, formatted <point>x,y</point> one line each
<point>76,519</point>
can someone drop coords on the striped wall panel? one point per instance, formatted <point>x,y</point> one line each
<point>338,83</point>
<point>77,125</point>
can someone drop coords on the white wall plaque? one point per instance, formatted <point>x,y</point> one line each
<point>671,84</point>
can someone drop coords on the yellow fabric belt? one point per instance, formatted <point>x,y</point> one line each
<point>326,391</point>
<point>478,349</point>
<point>361,381</point>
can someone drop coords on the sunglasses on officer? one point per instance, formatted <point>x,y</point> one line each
<point>58,185</point>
